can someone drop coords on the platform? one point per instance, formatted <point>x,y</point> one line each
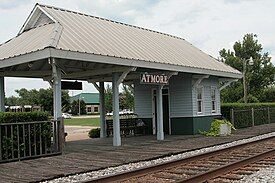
<point>93,154</point>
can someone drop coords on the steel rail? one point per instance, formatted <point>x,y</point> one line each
<point>227,168</point>
<point>146,170</point>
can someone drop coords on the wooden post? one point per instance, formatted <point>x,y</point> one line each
<point>0,142</point>
<point>61,134</point>
<point>253,119</point>
<point>232,116</point>
<point>160,132</point>
<point>116,121</point>
<point>268,115</point>
<point>2,94</point>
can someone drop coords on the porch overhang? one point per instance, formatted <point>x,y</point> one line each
<point>97,59</point>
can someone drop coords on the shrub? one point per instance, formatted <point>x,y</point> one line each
<point>226,107</point>
<point>10,139</point>
<point>94,133</point>
<point>243,113</point>
<point>12,117</point>
<point>215,127</point>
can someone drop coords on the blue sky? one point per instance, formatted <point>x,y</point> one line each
<point>208,24</point>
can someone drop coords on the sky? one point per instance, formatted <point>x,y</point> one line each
<point>210,25</point>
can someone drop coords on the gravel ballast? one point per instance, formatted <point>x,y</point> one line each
<point>265,175</point>
<point>132,166</point>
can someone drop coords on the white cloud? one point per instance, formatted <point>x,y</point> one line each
<point>210,25</point>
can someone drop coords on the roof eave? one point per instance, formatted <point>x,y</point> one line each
<point>66,54</point>
<point>25,58</point>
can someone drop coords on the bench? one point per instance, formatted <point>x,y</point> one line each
<point>129,125</point>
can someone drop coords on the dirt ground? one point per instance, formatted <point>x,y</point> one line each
<point>77,132</point>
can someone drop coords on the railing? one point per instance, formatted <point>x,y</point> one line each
<point>26,140</point>
<point>252,117</point>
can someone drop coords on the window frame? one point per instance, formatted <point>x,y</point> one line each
<point>201,100</point>
<point>215,100</point>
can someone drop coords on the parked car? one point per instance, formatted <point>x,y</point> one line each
<point>66,116</point>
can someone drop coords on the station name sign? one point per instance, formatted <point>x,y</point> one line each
<point>146,78</point>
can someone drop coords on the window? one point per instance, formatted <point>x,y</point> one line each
<point>213,99</point>
<point>200,99</point>
<point>95,109</point>
<point>89,109</point>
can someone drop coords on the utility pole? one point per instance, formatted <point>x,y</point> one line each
<point>250,62</point>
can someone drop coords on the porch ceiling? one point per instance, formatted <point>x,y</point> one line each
<point>71,70</point>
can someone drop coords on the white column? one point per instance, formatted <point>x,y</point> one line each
<point>160,133</point>
<point>102,110</point>
<point>57,107</point>
<point>2,94</point>
<point>116,123</point>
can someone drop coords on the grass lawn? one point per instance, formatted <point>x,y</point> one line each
<point>82,122</point>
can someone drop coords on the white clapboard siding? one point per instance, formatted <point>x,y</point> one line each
<point>181,96</point>
<point>207,108</point>
<point>143,100</point>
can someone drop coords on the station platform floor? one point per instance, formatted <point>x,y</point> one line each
<point>93,154</point>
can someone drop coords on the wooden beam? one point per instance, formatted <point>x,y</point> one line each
<point>90,73</point>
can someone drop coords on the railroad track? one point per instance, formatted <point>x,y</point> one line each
<point>224,165</point>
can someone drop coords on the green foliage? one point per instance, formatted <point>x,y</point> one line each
<point>127,98</point>
<point>226,107</point>
<point>75,107</point>
<point>94,133</point>
<point>42,97</point>
<point>268,94</point>
<point>250,99</point>
<point>243,113</point>
<point>108,98</point>
<point>10,138</point>
<point>215,127</point>
<point>12,117</point>
<point>259,76</point>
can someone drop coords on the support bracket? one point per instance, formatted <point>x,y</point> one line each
<point>124,74</point>
<point>96,85</point>
<point>227,83</point>
<point>199,80</point>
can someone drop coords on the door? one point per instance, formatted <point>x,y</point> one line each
<point>165,107</point>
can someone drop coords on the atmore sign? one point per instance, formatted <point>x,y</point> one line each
<point>146,78</point>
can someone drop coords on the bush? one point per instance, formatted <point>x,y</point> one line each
<point>226,107</point>
<point>94,133</point>
<point>12,139</point>
<point>12,117</point>
<point>243,113</point>
<point>215,127</point>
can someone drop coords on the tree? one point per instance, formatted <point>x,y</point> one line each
<point>42,97</point>
<point>75,107</point>
<point>12,101</point>
<point>259,76</point>
<point>108,98</point>
<point>127,97</point>
<point>28,97</point>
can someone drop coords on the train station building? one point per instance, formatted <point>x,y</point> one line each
<point>176,85</point>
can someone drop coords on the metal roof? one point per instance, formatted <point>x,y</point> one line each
<point>29,41</point>
<point>88,98</point>
<point>81,33</point>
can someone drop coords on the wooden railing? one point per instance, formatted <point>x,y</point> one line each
<point>26,140</point>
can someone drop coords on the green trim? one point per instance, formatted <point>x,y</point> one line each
<point>191,125</point>
<point>182,126</point>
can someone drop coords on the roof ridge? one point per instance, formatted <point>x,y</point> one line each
<point>109,20</point>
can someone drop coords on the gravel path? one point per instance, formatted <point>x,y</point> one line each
<point>265,175</point>
<point>132,166</point>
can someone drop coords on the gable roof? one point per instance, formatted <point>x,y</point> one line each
<point>80,33</point>
<point>88,98</point>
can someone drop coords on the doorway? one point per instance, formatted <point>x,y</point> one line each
<point>166,111</point>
